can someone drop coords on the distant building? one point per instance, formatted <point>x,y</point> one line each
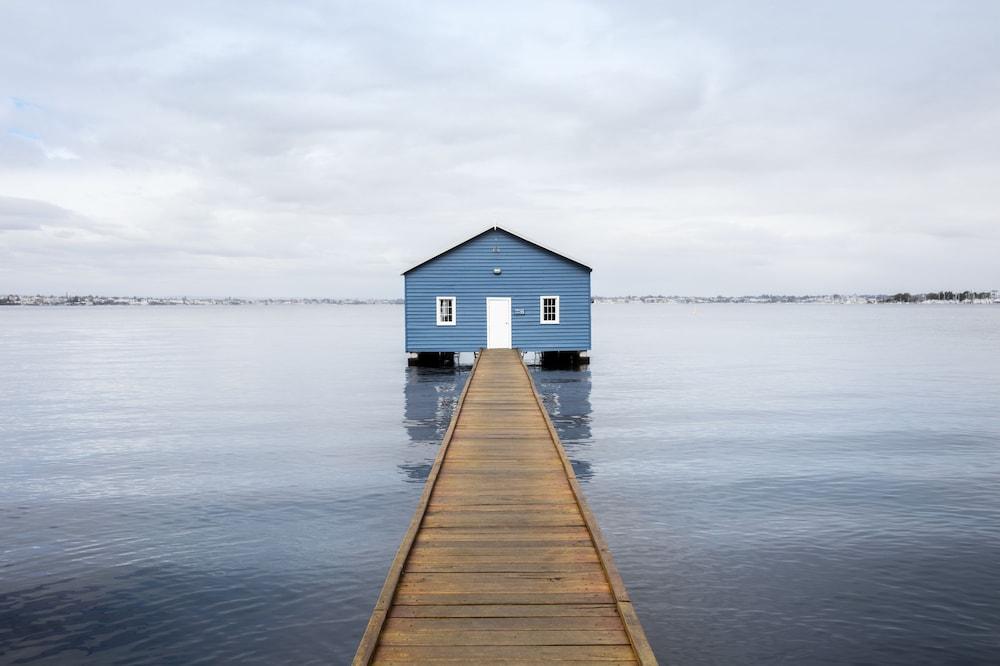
<point>497,290</point>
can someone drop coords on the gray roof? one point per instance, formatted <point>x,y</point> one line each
<point>511,233</point>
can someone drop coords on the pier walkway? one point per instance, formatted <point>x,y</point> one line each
<point>503,561</point>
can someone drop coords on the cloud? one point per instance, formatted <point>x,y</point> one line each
<point>319,148</point>
<point>27,214</point>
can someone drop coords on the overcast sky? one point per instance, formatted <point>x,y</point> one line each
<point>318,149</point>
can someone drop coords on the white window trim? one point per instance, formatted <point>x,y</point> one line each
<point>454,310</point>
<point>541,310</point>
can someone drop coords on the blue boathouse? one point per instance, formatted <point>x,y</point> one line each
<point>498,290</point>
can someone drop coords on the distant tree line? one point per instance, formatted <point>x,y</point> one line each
<point>960,296</point>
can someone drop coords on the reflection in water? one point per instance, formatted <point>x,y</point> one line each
<point>430,395</point>
<point>566,395</point>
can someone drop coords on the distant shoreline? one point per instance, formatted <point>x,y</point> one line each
<point>963,298</point>
<point>85,301</point>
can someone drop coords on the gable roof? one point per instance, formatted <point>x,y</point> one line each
<point>509,233</point>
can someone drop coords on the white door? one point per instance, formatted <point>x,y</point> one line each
<point>498,323</point>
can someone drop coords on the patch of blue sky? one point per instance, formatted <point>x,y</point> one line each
<point>23,134</point>
<point>21,103</point>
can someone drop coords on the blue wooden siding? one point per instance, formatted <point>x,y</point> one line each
<point>528,272</point>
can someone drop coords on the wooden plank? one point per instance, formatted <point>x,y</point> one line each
<point>466,485</point>
<point>507,550</point>
<point>570,623</point>
<point>472,505</point>
<point>504,637</point>
<point>503,533</point>
<point>501,519</point>
<point>519,662</point>
<point>496,467</point>
<point>528,544</point>
<point>633,627</point>
<point>486,486</point>
<point>527,540</point>
<point>445,580</point>
<point>507,610</point>
<point>480,483</point>
<point>406,598</point>
<point>518,509</point>
<point>527,435</point>
<point>470,457</point>
<point>514,451</point>
<point>477,654</point>
<point>501,583</point>
<point>504,566</point>
<point>535,559</point>
<point>527,548</point>
<point>536,505</point>
<point>517,533</point>
<point>512,550</point>
<point>523,442</point>
<point>481,479</point>
<point>554,505</point>
<point>497,493</point>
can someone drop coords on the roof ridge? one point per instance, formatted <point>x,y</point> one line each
<point>497,227</point>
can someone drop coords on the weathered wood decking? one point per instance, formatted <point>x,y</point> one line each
<point>503,561</point>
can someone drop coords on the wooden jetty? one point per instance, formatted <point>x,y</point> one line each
<point>503,561</point>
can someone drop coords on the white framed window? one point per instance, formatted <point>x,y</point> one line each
<point>445,308</point>
<point>549,306</point>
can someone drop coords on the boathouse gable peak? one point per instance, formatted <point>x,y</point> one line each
<point>503,231</point>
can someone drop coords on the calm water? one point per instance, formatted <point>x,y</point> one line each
<point>779,484</point>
